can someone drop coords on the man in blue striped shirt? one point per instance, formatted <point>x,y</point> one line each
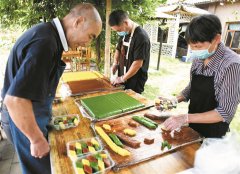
<point>214,88</point>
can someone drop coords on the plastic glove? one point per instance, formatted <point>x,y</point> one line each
<point>114,68</point>
<point>175,122</point>
<point>118,80</point>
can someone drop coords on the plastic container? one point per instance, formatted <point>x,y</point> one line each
<point>83,147</point>
<point>99,162</point>
<point>65,121</point>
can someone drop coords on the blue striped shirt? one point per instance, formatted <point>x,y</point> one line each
<point>225,67</point>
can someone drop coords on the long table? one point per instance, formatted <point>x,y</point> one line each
<point>172,162</point>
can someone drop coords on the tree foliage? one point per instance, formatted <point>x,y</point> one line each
<point>25,13</point>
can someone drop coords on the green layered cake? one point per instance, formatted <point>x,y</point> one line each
<point>111,104</point>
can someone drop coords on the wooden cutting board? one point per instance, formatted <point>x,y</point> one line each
<point>185,137</point>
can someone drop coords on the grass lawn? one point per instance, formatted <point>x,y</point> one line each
<point>171,79</point>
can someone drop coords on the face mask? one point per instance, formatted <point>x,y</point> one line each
<point>201,54</point>
<point>122,33</point>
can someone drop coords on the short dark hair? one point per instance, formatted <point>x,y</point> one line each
<point>117,17</point>
<point>203,28</point>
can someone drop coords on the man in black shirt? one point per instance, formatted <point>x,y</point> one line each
<point>132,55</point>
<point>31,77</point>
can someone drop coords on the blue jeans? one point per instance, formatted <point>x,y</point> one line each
<point>29,164</point>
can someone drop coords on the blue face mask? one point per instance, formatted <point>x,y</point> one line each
<point>200,54</point>
<point>122,33</point>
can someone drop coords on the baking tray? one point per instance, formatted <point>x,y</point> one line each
<point>95,83</point>
<point>91,86</point>
<point>131,93</point>
<point>145,152</point>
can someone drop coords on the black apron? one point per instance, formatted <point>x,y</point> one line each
<point>136,82</point>
<point>202,99</point>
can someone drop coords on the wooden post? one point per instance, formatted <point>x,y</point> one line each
<point>160,49</point>
<point>176,32</point>
<point>107,40</point>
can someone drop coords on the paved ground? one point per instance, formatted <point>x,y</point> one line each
<point>8,159</point>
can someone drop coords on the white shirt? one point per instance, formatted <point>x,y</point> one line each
<point>61,33</point>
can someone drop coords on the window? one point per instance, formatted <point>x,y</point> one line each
<point>232,39</point>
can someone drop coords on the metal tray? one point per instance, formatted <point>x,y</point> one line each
<point>131,93</point>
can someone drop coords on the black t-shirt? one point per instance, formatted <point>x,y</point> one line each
<point>32,63</point>
<point>139,50</point>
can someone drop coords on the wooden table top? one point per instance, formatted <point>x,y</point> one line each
<point>176,161</point>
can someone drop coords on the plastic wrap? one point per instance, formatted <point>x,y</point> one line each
<point>221,156</point>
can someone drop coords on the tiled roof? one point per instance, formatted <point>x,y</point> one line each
<point>201,1</point>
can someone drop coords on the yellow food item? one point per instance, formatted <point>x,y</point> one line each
<point>130,132</point>
<point>103,155</point>
<point>106,127</point>
<point>163,127</point>
<point>101,165</point>
<point>85,162</point>
<point>91,149</point>
<point>78,145</point>
<point>110,143</point>
<point>62,126</point>
<point>75,121</point>
<point>80,171</point>
<point>78,76</point>
<point>94,142</point>
<point>72,153</point>
<point>157,101</point>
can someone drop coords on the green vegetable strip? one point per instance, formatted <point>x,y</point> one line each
<point>144,122</point>
<point>116,140</point>
<point>149,120</point>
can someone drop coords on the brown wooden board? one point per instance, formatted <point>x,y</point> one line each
<point>131,93</point>
<point>91,85</point>
<point>185,137</point>
<point>86,82</point>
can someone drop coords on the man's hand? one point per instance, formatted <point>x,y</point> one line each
<point>114,68</point>
<point>40,148</point>
<point>118,80</point>
<point>175,122</point>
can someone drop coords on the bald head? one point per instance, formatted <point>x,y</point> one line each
<point>86,10</point>
<point>81,25</point>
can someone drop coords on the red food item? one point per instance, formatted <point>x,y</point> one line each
<point>106,162</point>
<point>128,141</point>
<point>71,147</point>
<point>65,121</point>
<point>85,150</point>
<point>89,143</point>
<point>132,123</point>
<point>148,140</point>
<point>91,159</point>
<point>151,116</point>
<point>87,169</point>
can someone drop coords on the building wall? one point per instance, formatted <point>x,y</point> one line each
<point>226,13</point>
